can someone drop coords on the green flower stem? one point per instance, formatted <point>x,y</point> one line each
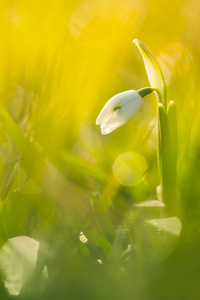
<point>146,91</point>
<point>167,149</point>
<point>167,156</point>
<point>167,130</point>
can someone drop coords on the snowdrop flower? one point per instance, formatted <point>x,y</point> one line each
<point>120,108</point>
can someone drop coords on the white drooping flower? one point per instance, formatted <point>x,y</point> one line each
<point>118,110</point>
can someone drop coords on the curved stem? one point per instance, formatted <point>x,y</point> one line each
<point>146,91</point>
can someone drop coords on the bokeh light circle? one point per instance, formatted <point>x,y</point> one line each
<point>129,168</point>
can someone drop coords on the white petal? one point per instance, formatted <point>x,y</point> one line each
<point>106,130</point>
<point>130,97</point>
<point>129,109</point>
<point>113,123</point>
<point>111,104</point>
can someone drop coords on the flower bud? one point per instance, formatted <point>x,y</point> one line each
<point>118,110</point>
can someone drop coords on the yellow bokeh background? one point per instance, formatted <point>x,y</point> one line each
<point>60,61</point>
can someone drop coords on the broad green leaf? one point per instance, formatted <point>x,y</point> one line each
<point>154,72</point>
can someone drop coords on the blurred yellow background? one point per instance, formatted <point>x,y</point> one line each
<point>60,61</point>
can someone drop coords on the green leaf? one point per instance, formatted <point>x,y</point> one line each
<point>167,162</point>
<point>154,72</point>
<point>32,161</point>
<point>164,150</point>
<point>161,125</point>
<point>104,244</point>
<point>11,128</point>
<point>75,165</point>
<point>172,121</point>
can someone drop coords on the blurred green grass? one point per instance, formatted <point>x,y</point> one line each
<point>59,63</point>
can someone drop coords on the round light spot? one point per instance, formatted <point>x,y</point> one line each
<point>129,168</point>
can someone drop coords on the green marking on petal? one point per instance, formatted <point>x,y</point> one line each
<point>116,108</point>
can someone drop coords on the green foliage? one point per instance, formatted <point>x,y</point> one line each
<point>95,236</point>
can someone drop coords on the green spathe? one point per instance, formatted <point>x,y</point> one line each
<point>154,72</point>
